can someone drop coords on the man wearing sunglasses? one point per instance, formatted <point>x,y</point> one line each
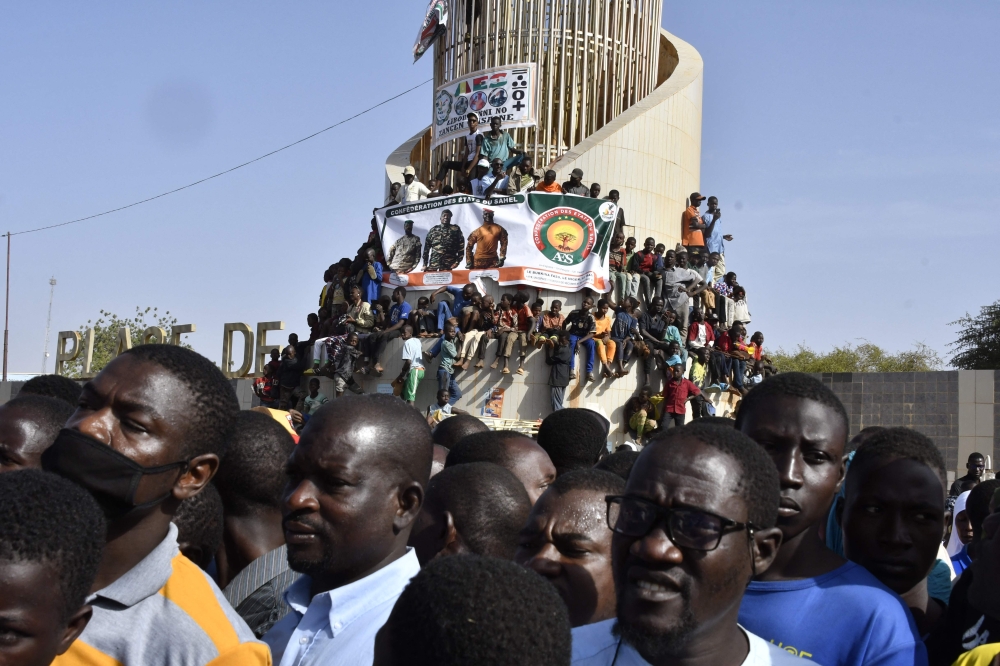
<point>695,523</point>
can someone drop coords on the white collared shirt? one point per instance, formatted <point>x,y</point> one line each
<point>339,626</point>
<point>415,191</point>
<point>595,645</point>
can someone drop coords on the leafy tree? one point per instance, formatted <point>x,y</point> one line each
<point>106,336</point>
<point>978,343</point>
<point>864,357</point>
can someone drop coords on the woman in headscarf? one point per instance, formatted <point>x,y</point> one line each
<point>961,535</point>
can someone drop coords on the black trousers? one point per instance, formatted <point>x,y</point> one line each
<point>379,342</point>
<point>673,420</point>
<point>450,165</point>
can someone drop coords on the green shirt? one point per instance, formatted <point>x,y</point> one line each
<point>448,354</point>
<point>498,147</point>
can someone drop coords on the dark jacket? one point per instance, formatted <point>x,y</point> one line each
<point>290,374</point>
<point>559,360</point>
<point>343,364</point>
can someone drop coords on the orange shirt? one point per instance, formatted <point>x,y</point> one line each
<point>488,240</point>
<point>691,236</point>
<point>603,325</point>
<point>555,187</point>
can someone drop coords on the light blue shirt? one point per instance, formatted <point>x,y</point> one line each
<point>479,186</point>
<point>595,645</point>
<point>714,241</point>
<point>339,626</point>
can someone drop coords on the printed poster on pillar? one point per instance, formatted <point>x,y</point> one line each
<point>509,92</point>
<point>549,241</point>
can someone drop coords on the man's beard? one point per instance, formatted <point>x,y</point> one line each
<point>308,564</point>
<point>653,645</point>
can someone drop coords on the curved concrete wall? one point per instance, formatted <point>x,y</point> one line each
<point>651,153</point>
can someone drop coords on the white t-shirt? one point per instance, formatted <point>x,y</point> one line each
<point>480,185</point>
<point>413,352</point>
<point>741,312</point>
<point>472,142</point>
<point>595,645</point>
<point>699,339</point>
<point>415,191</point>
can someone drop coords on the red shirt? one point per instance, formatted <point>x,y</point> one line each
<point>506,318</point>
<point>675,395</point>
<point>693,332</point>
<point>722,342</point>
<point>523,315</point>
<point>644,261</point>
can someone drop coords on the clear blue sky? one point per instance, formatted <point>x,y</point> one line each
<point>853,145</point>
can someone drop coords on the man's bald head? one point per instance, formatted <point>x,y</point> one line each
<point>513,451</point>
<point>450,431</point>
<point>397,436</point>
<point>355,486</point>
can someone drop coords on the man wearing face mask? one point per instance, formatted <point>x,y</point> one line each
<point>148,434</point>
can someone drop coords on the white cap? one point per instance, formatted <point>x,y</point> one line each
<point>408,171</point>
<point>484,162</point>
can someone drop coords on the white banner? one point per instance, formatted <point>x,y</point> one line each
<point>550,241</point>
<point>509,92</point>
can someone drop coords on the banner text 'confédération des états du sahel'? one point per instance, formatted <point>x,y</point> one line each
<point>550,241</point>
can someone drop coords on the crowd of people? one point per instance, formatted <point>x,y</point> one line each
<point>148,520</point>
<point>666,307</point>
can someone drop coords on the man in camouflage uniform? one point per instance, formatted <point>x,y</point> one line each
<point>443,245</point>
<point>404,255</point>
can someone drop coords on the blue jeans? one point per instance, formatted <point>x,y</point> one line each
<point>447,381</point>
<point>444,313</point>
<point>738,368</point>
<point>558,396</point>
<point>588,345</point>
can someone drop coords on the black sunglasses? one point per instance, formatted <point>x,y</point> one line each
<point>687,528</point>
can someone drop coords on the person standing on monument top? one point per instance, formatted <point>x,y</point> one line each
<point>692,226</point>
<point>613,197</point>
<point>497,143</point>
<point>714,238</point>
<point>524,178</point>
<point>575,184</point>
<point>548,184</point>
<point>473,141</point>
<point>496,181</point>
<point>412,189</point>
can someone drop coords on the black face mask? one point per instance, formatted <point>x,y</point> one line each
<point>111,477</point>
